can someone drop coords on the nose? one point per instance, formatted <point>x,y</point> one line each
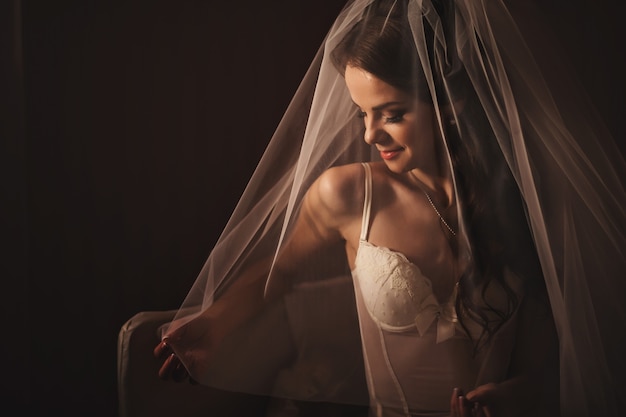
<point>372,133</point>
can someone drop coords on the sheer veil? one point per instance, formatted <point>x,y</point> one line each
<point>566,166</point>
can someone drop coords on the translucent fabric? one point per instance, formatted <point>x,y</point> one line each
<point>490,88</point>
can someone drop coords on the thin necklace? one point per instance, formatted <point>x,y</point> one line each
<point>430,200</point>
<point>445,223</point>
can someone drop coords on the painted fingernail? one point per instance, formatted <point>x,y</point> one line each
<point>161,349</point>
<point>166,368</point>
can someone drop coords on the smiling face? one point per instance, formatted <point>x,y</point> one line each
<point>401,127</point>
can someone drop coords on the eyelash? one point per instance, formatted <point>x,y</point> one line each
<point>393,119</point>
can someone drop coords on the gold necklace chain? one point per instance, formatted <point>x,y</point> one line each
<point>430,200</point>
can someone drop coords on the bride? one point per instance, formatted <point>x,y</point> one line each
<point>425,220</point>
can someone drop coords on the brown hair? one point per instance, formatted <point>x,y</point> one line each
<point>382,44</point>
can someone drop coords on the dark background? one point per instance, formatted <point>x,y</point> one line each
<point>129,130</point>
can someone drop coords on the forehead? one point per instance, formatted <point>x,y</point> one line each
<point>367,90</point>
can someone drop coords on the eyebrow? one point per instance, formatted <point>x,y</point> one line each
<point>384,105</point>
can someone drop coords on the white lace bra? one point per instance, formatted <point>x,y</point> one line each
<point>396,294</point>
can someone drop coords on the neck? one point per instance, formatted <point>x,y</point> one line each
<point>436,176</point>
<point>439,187</point>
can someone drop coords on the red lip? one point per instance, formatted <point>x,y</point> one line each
<point>387,155</point>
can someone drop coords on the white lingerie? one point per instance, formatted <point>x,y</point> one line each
<point>411,364</point>
<point>398,296</point>
<point>396,293</point>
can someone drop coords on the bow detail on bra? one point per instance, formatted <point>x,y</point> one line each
<point>445,314</point>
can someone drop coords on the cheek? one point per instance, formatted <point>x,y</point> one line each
<point>418,129</point>
<point>409,134</point>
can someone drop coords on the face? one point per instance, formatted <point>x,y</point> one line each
<point>401,127</point>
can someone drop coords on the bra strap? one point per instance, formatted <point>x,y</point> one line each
<point>367,202</point>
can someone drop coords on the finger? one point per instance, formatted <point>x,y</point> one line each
<point>168,366</point>
<point>469,408</point>
<point>454,403</point>
<point>162,349</point>
<point>483,394</point>
<point>461,403</point>
<point>466,407</point>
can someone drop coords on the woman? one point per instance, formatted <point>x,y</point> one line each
<point>446,232</point>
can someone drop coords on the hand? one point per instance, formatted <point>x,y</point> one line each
<point>489,400</point>
<point>172,366</point>
<point>460,406</point>
<point>190,345</point>
<point>196,340</point>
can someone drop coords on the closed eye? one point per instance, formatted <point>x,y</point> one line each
<point>395,118</point>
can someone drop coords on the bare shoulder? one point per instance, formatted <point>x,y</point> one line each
<point>339,191</point>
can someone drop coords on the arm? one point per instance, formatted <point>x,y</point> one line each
<point>317,229</point>
<point>195,341</point>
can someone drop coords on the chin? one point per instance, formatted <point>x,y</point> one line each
<point>396,167</point>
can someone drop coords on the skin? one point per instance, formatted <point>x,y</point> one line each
<point>394,121</point>
<point>405,131</point>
